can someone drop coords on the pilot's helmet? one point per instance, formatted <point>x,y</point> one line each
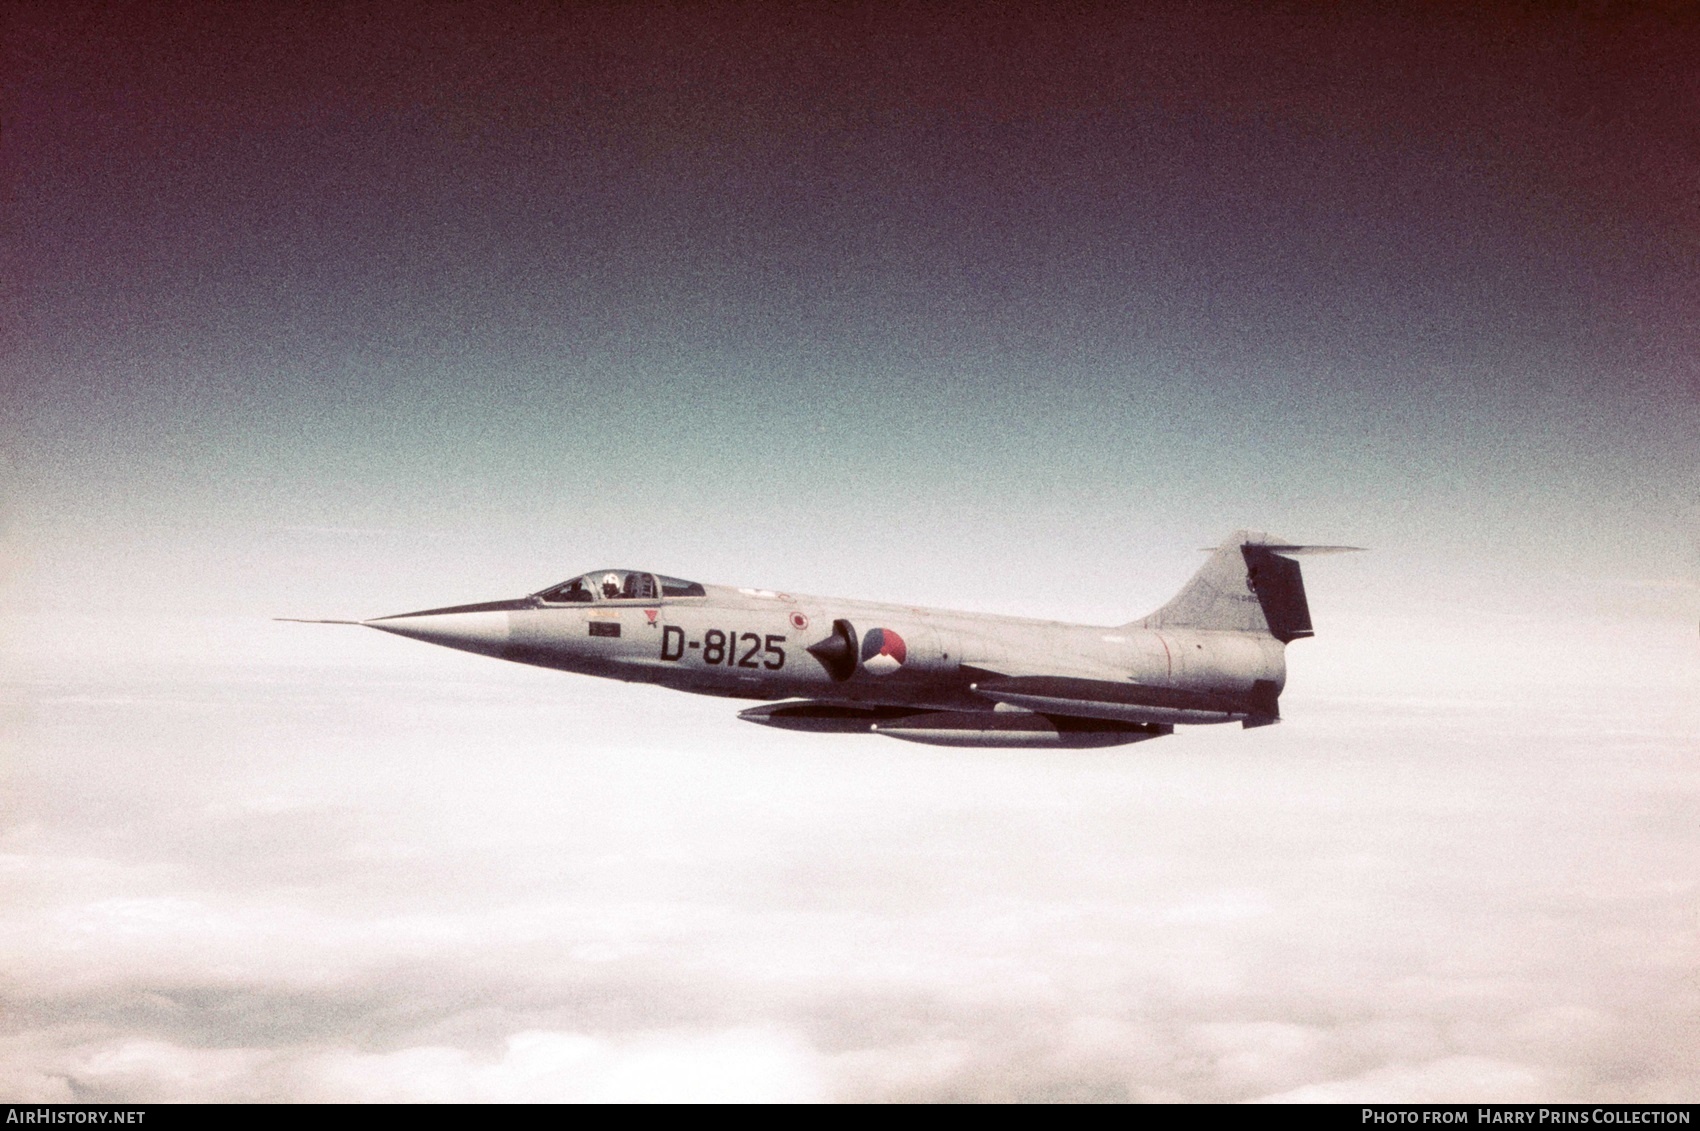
<point>610,585</point>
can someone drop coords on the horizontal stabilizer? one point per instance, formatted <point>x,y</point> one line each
<point>1251,584</point>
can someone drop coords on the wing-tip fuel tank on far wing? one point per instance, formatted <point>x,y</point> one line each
<point>1215,653</point>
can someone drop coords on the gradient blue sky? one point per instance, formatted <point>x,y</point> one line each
<point>1390,277</point>
<point>351,312</point>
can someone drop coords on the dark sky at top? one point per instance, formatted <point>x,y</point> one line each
<point>1428,264</point>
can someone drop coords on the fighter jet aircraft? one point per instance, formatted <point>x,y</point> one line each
<point>1213,654</point>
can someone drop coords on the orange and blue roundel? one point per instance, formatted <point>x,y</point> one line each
<point>883,651</point>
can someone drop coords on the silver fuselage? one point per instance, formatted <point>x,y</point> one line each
<point>753,644</point>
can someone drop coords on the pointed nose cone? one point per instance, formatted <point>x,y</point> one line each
<point>471,628</point>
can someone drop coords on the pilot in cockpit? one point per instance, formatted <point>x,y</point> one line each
<point>619,585</point>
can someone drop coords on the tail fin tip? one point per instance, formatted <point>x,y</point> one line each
<point>1250,584</point>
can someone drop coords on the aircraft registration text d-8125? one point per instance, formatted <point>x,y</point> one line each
<point>717,647</point>
<point>1215,653</point>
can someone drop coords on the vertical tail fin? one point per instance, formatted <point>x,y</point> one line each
<point>1250,584</point>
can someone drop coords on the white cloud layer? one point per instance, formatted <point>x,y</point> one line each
<point>1461,870</point>
<point>732,1066</point>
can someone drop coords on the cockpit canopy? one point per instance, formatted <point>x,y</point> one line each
<point>619,585</point>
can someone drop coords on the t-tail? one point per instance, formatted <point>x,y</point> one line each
<point>1250,584</point>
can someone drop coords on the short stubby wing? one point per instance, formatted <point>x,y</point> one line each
<point>993,727</point>
<point>1131,702</point>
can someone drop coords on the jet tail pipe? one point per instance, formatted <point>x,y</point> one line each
<point>837,653</point>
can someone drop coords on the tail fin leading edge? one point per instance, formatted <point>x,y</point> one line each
<point>1250,584</point>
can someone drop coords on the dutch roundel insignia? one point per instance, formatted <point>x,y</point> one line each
<point>882,651</point>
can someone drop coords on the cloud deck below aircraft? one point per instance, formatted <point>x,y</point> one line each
<point>275,885</point>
